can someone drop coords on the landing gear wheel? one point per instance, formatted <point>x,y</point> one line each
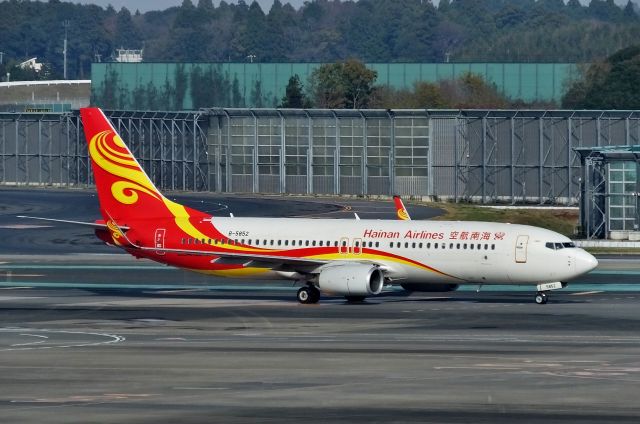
<point>541,298</point>
<point>352,299</point>
<point>308,294</point>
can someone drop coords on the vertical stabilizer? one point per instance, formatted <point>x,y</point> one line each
<point>124,189</point>
<point>401,211</point>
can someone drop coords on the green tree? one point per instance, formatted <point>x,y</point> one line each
<point>609,84</point>
<point>346,84</point>
<point>294,94</point>
<point>257,99</point>
<point>471,91</point>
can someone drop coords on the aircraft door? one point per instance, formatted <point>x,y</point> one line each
<point>357,246</point>
<point>521,249</point>
<point>159,240</point>
<point>343,247</point>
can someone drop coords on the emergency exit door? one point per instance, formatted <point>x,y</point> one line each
<point>521,249</point>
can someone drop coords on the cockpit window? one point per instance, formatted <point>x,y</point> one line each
<point>558,246</point>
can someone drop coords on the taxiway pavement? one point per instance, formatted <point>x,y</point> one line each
<point>103,338</point>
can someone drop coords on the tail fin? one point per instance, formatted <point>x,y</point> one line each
<point>124,189</point>
<point>401,211</point>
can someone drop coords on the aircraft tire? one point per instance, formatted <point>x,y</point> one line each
<point>541,298</point>
<point>308,294</point>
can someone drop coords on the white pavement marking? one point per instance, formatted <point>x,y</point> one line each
<point>5,298</point>
<point>184,303</point>
<point>12,275</point>
<point>586,293</point>
<point>112,338</point>
<point>31,343</point>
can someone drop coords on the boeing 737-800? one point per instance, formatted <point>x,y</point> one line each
<point>351,258</point>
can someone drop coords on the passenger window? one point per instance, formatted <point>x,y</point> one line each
<point>306,242</point>
<point>182,242</point>
<point>313,243</point>
<point>335,244</point>
<point>413,245</point>
<point>435,245</point>
<point>344,244</point>
<point>464,246</point>
<point>428,245</point>
<point>271,242</point>
<point>493,247</point>
<point>406,245</point>
<point>471,246</point>
<point>420,246</point>
<point>458,246</point>
<point>377,244</point>
<point>450,245</point>
<point>391,244</point>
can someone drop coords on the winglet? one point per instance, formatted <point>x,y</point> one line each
<point>401,211</point>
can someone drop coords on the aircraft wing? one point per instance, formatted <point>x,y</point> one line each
<point>246,259</point>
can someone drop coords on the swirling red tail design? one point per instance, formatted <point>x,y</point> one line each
<point>124,189</point>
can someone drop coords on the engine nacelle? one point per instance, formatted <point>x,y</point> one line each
<point>429,287</point>
<point>351,279</point>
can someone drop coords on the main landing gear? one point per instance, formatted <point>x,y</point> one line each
<point>308,294</point>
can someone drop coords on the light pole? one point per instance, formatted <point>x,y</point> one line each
<point>251,57</point>
<point>65,24</point>
<point>1,56</point>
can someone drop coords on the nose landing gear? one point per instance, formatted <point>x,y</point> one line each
<point>541,298</point>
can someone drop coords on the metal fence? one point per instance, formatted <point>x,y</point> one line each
<point>464,155</point>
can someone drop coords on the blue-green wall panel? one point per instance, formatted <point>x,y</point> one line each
<point>544,82</point>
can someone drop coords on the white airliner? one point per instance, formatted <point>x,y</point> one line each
<point>351,258</point>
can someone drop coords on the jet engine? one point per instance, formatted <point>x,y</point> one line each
<point>426,287</point>
<point>351,279</point>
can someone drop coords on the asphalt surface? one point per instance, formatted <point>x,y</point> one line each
<point>189,356</point>
<point>103,338</point>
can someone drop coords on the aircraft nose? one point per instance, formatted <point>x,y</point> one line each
<point>585,262</point>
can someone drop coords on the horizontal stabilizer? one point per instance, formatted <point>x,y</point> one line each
<point>65,221</point>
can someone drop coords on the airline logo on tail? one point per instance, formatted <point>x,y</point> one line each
<point>401,211</point>
<point>109,152</point>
